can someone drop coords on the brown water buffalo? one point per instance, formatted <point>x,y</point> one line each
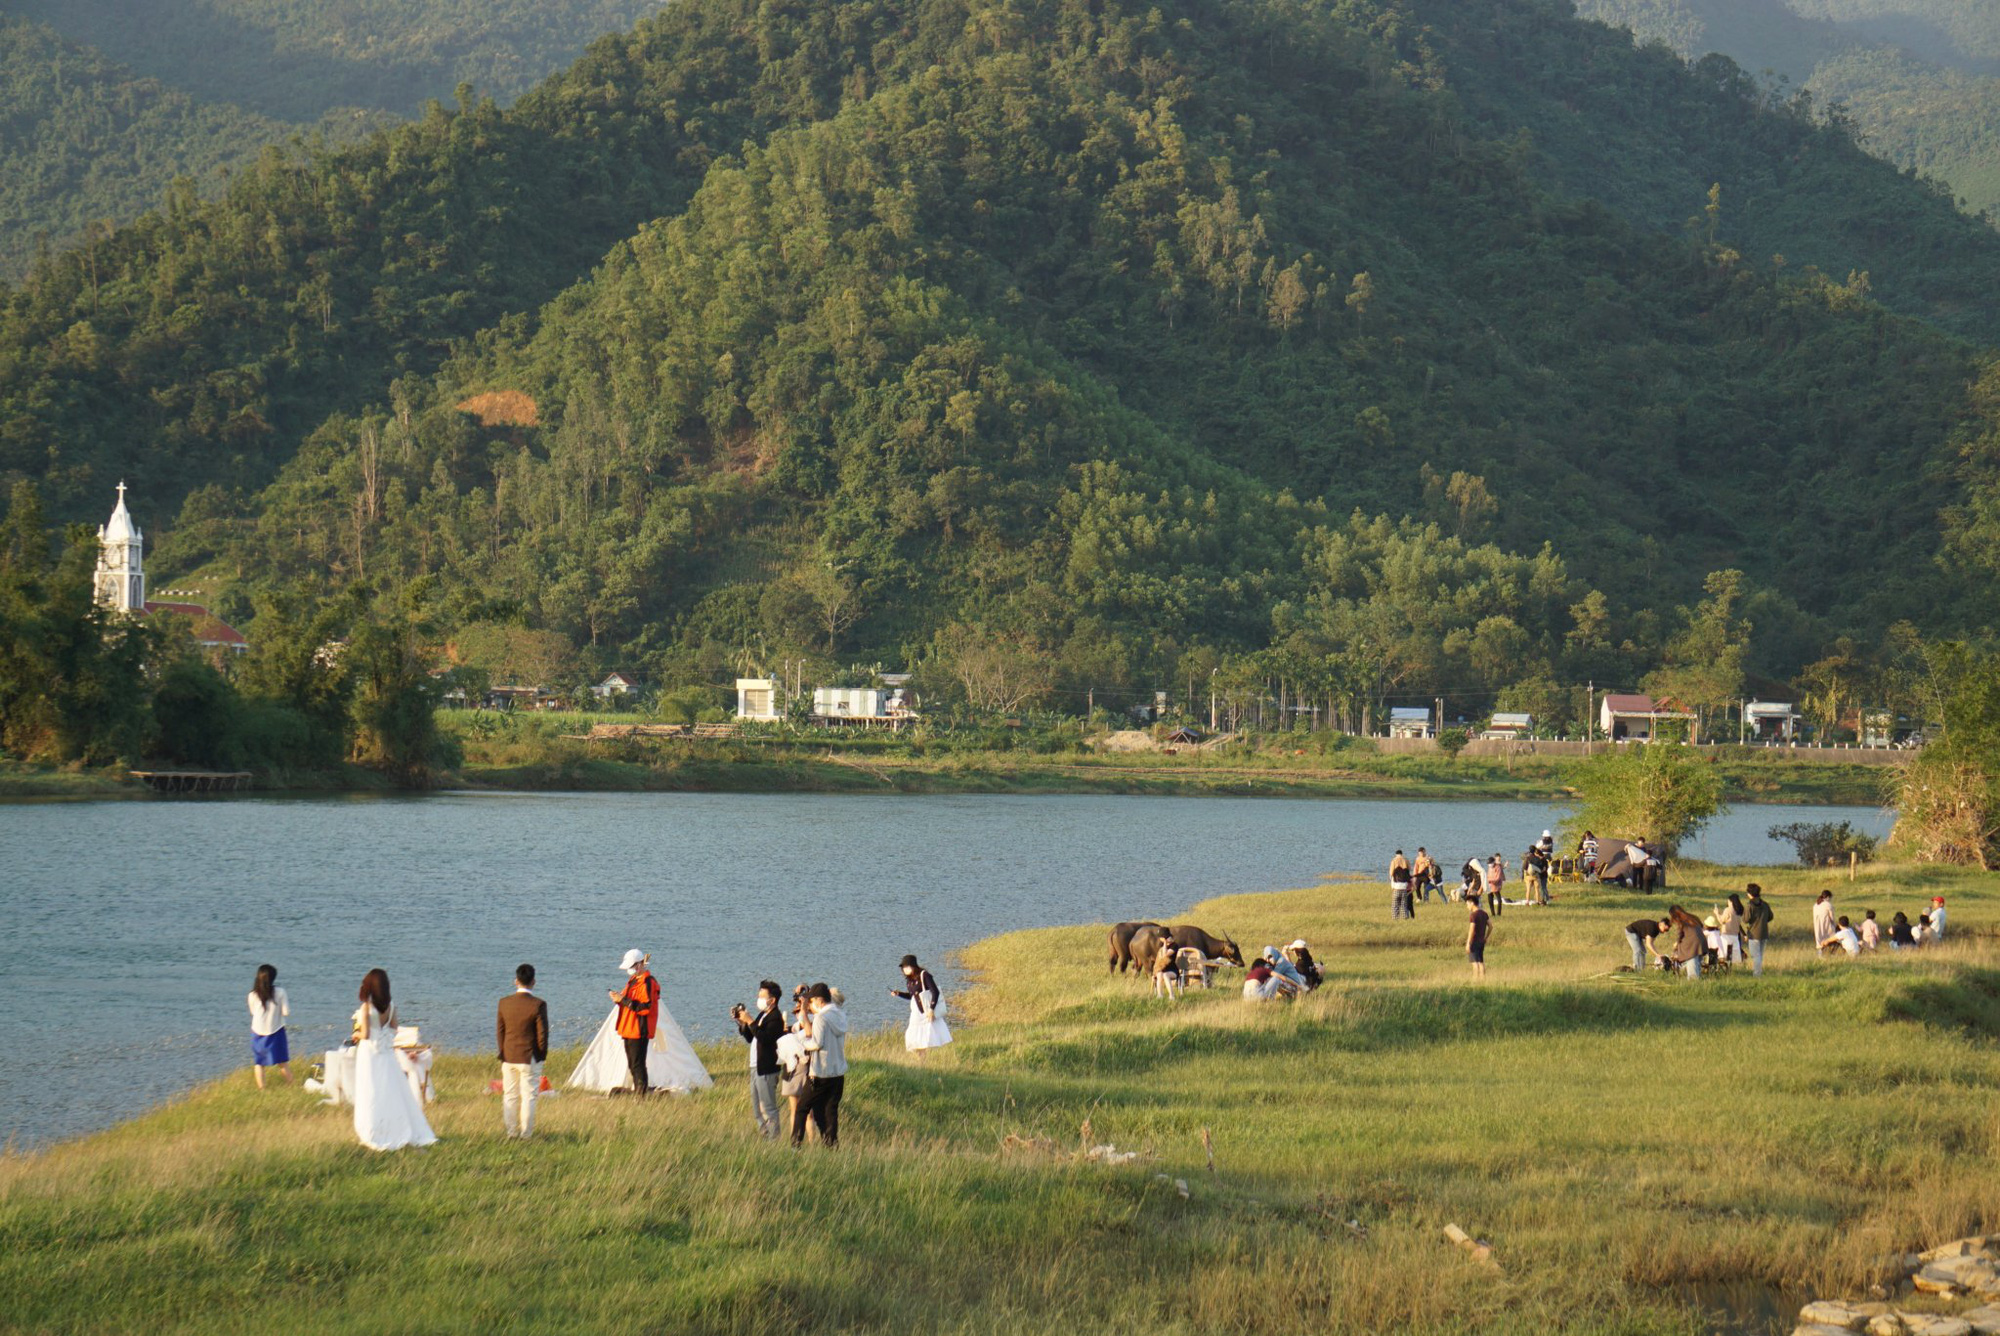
<point>1121,943</point>
<point>1211,946</point>
<point>1145,946</point>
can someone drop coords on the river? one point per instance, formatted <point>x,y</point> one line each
<point>132,929</point>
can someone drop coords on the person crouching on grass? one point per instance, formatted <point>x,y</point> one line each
<point>1478,929</point>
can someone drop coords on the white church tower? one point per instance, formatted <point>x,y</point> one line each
<point>121,575</point>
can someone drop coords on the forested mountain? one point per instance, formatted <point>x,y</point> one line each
<point>110,101</point>
<point>1090,336</point>
<point>1917,77</point>
<point>297,60</point>
<point>86,142</point>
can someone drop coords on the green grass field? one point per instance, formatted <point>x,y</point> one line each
<point>1627,1144</point>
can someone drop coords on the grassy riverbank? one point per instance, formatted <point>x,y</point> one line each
<point>1619,1139</point>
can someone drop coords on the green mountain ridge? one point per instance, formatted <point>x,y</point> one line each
<point>899,328</point>
<point>1919,80</point>
<point>297,60</point>
<point>86,140</point>
<point>112,101</point>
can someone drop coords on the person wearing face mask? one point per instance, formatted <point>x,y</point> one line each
<point>761,1029</point>
<point>826,1079</point>
<point>926,1029</point>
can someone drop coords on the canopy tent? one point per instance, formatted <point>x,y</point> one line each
<point>671,1063</point>
<point>1614,865</point>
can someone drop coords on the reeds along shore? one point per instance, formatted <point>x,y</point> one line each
<point>1625,1143</point>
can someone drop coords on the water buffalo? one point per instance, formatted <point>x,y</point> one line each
<point>1211,946</point>
<point>1121,944</point>
<point>1145,946</point>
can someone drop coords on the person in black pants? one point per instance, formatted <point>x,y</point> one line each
<point>762,1029</point>
<point>826,1073</point>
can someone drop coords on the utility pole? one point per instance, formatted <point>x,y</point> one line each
<point>1440,714</point>
<point>1211,698</point>
<point>1589,715</point>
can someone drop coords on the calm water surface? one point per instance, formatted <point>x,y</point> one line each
<point>129,931</point>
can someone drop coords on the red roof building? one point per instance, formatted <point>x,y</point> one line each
<point>210,631</point>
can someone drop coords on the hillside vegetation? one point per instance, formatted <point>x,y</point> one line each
<point>297,60</point>
<point>110,103</point>
<point>1917,78</point>
<point>88,143</point>
<point>1641,1152</point>
<point>1094,341</point>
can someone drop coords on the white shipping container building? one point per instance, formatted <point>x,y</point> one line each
<point>850,703</point>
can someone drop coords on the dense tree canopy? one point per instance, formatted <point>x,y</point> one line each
<point>1077,348</point>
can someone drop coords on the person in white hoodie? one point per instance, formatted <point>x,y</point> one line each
<point>1937,920</point>
<point>826,1071</point>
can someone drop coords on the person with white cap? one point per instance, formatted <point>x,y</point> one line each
<point>1302,960</point>
<point>1285,969</point>
<point>638,1012</point>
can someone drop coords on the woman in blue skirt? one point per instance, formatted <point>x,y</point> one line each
<point>269,1008</point>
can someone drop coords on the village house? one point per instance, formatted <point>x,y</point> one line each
<point>1636,718</point>
<point>1771,721</point>
<point>1509,726</point>
<point>1409,721</point>
<point>620,683</point>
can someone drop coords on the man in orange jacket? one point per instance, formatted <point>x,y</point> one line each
<point>638,1014</point>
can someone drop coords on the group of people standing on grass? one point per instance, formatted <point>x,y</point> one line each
<point>1734,932</point>
<point>1411,880</point>
<point>802,1058</point>
<point>1837,934</point>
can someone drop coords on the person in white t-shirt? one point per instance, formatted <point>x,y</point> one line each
<point>1846,938</point>
<point>269,1009</point>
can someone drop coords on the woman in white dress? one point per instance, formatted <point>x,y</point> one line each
<point>387,1115</point>
<point>927,1029</point>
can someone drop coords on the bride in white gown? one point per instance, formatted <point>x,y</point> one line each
<point>387,1115</point>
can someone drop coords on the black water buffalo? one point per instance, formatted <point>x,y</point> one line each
<point>1121,943</point>
<point>1211,946</point>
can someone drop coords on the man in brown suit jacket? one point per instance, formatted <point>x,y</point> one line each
<point>524,1046</point>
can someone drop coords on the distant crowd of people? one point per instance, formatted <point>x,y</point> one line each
<point>801,1058</point>
<point>1837,934</point>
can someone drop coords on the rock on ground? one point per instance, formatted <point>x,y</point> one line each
<point>1839,1314</point>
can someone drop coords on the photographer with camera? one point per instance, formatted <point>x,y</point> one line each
<point>761,1029</point>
